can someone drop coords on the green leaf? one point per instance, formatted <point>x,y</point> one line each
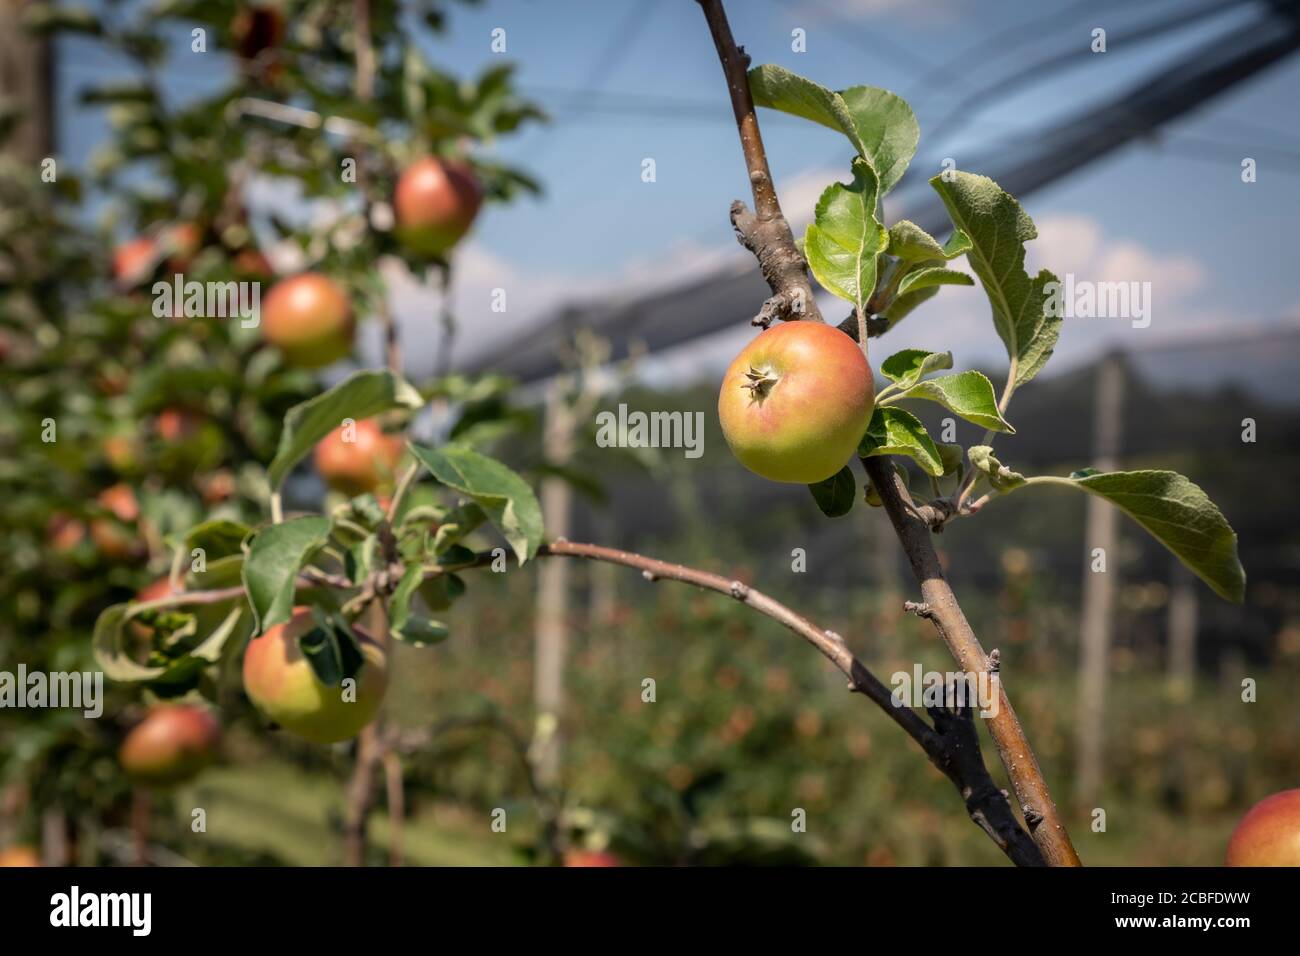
<point>843,244</point>
<point>219,538</point>
<point>275,556</point>
<point>899,309</point>
<point>895,432</point>
<point>404,624</point>
<point>836,494</point>
<point>331,649</point>
<point>359,396</point>
<point>911,243</point>
<point>779,89</point>
<point>1179,515</point>
<point>196,644</point>
<point>999,228</point>
<point>110,652</point>
<point>929,276</point>
<point>907,367</point>
<point>968,394</point>
<point>887,127</point>
<point>441,591</point>
<point>1000,477</point>
<point>505,497</point>
<point>879,124</point>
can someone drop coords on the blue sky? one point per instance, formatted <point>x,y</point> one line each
<point>631,79</point>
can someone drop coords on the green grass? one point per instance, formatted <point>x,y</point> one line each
<point>292,815</point>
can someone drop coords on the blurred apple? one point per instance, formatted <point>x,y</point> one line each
<point>309,318</point>
<point>435,202</point>
<point>172,744</point>
<point>64,532</point>
<point>252,264</point>
<point>282,685</point>
<point>134,261</point>
<point>110,534</point>
<point>19,855</point>
<point>182,243</point>
<point>358,458</point>
<point>1269,833</point>
<point>591,858</point>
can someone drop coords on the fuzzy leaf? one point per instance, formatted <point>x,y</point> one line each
<point>836,494</point>
<point>275,556</point>
<point>895,432</point>
<point>909,366</point>
<point>998,229</point>
<point>504,497</point>
<point>968,394</point>
<point>843,244</point>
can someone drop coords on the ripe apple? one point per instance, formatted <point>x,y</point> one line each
<point>171,744</point>
<point>121,501</point>
<point>109,535</point>
<point>591,858</point>
<point>252,264</point>
<point>134,261</point>
<point>20,855</point>
<point>796,402</point>
<point>282,685</point>
<point>1269,833</point>
<point>64,532</point>
<point>309,318</point>
<point>182,242</point>
<point>358,458</point>
<point>121,453</point>
<point>435,203</point>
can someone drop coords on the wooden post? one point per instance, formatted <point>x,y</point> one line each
<point>1182,632</point>
<point>1181,663</point>
<point>552,633</point>
<point>1101,539</point>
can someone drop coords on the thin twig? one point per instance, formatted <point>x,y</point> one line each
<point>765,231</point>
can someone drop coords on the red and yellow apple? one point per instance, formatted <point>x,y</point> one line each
<point>309,318</point>
<point>19,855</point>
<point>591,858</point>
<point>172,744</point>
<point>64,532</point>
<point>1269,833</point>
<point>252,264</point>
<point>435,203</point>
<point>134,261</point>
<point>282,685</point>
<point>796,401</point>
<point>358,458</point>
<point>181,242</point>
<point>111,533</point>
